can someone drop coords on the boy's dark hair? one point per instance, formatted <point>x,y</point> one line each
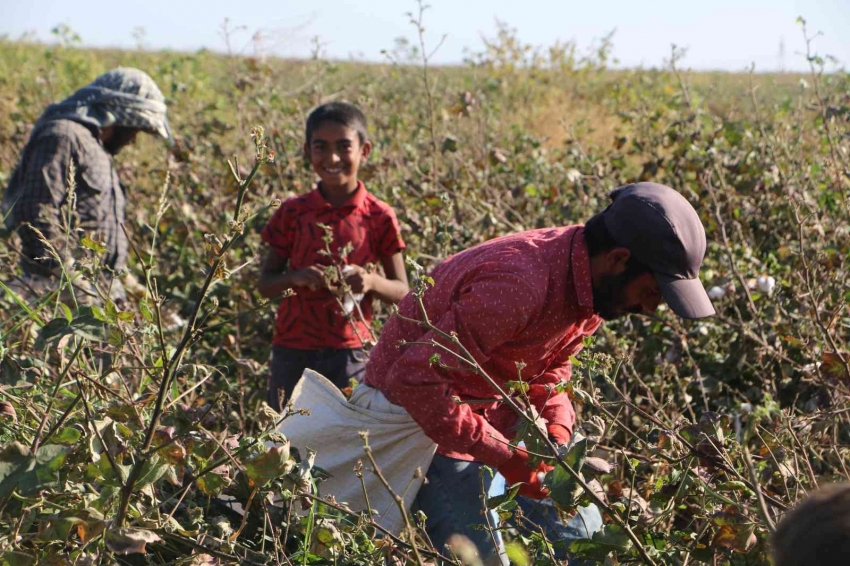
<point>599,240</point>
<point>817,531</point>
<point>342,113</point>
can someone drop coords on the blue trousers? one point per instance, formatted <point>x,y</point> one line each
<point>452,503</point>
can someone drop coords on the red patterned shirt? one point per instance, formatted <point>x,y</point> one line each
<point>312,320</point>
<point>527,298</point>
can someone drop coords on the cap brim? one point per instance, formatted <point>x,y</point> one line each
<point>687,297</point>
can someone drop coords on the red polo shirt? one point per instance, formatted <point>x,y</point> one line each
<point>312,320</point>
<point>526,297</point>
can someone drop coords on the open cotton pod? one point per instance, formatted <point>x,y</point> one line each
<point>350,300</point>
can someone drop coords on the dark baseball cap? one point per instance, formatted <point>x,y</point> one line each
<point>663,231</point>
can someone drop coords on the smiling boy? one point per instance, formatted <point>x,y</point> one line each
<point>311,330</point>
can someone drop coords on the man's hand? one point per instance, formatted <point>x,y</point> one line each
<point>311,277</point>
<point>559,434</point>
<point>358,279</point>
<point>518,469</point>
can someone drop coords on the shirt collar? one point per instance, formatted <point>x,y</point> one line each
<point>316,200</point>
<point>580,263</point>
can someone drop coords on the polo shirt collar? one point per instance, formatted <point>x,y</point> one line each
<point>316,200</point>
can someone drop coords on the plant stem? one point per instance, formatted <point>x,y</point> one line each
<point>189,334</point>
<point>411,532</point>
<point>59,379</point>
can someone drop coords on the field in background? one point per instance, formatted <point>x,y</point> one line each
<point>714,428</point>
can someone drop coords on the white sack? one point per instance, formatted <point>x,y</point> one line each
<point>332,429</point>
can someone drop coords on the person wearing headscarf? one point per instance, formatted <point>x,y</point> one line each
<point>65,185</point>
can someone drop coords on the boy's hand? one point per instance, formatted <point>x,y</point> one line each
<point>358,279</point>
<point>311,277</point>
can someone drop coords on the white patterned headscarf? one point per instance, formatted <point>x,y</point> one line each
<point>121,97</point>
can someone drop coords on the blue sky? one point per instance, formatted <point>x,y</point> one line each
<point>719,34</point>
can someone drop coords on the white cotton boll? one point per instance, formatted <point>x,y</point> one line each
<point>672,355</point>
<point>766,283</point>
<point>810,369</point>
<point>574,176</point>
<point>174,321</point>
<point>347,304</point>
<point>716,293</point>
<point>351,299</point>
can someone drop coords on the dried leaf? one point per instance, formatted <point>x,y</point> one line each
<point>7,411</point>
<point>597,465</point>
<point>833,364</point>
<point>129,540</point>
<point>269,465</point>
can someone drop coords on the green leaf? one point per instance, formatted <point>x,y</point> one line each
<point>31,314</point>
<point>98,313</point>
<point>564,488</point>
<point>115,435</point>
<point>108,495</point>
<point>732,486</point>
<point>327,533</point>
<point>114,337</point>
<point>69,316</point>
<point>88,522</point>
<point>111,311</point>
<point>14,558</point>
<point>214,481</point>
<point>517,554</point>
<point>531,434</point>
<point>26,473</point>
<point>612,538</point>
<point>152,470</point>
<point>506,509</point>
<point>145,310</point>
<point>68,436</point>
<point>575,457</point>
<point>102,472</point>
<point>517,386</point>
<point>85,325</point>
<point>494,502</point>
<point>126,316</point>
<point>54,329</point>
<point>93,245</point>
<point>449,144</point>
